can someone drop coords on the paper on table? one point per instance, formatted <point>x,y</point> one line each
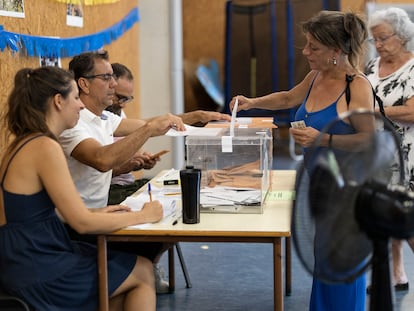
<point>244,120</point>
<point>194,131</point>
<point>281,195</point>
<point>229,196</point>
<point>239,120</point>
<point>169,175</point>
<point>137,202</point>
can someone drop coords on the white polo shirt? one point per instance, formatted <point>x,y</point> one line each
<point>92,184</point>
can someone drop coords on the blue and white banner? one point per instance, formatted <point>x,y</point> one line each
<point>66,47</point>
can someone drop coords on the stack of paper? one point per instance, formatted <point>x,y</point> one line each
<point>137,202</point>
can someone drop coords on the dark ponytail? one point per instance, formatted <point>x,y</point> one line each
<point>29,100</point>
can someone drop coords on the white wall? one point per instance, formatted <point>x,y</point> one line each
<point>156,73</point>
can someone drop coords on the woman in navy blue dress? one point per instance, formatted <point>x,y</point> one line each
<point>334,42</point>
<point>38,261</point>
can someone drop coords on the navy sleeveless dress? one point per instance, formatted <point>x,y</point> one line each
<point>324,296</point>
<point>40,264</point>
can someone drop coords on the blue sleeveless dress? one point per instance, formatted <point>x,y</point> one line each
<point>324,296</point>
<point>40,264</point>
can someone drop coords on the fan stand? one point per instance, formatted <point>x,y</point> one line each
<point>381,294</point>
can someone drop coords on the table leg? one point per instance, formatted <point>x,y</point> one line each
<point>102,273</point>
<point>171,269</point>
<point>288,266</point>
<point>277,275</point>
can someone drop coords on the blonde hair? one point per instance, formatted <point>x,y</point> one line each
<point>344,31</point>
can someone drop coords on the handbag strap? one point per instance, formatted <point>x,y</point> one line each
<point>377,99</point>
<point>348,80</point>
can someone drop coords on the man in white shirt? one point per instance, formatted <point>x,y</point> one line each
<point>90,148</point>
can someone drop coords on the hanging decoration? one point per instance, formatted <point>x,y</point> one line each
<point>66,47</point>
<point>87,2</point>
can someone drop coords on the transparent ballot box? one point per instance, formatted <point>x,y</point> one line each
<point>235,170</point>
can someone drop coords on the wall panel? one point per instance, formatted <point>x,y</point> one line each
<point>48,18</point>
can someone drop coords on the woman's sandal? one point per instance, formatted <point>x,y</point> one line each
<point>401,287</point>
<point>397,287</point>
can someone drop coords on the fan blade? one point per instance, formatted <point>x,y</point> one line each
<point>337,257</point>
<point>324,228</point>
<point>326,171</point>
<point>371,160</point>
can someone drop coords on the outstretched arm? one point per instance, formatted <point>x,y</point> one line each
<point>105,157</point>
<point>278,100</point>
<point>203,116</point>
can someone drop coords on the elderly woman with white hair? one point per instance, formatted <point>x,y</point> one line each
<point>392,76</point>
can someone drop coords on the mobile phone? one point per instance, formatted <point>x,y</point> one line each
<point>158,154</point>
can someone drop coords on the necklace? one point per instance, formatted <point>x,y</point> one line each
<point>309,111</point>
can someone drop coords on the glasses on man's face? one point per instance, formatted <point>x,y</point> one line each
<point>122,99</point>
<point>103,76</point>
<point>381,39</point>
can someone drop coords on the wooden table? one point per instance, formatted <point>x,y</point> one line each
<point>270,227</point>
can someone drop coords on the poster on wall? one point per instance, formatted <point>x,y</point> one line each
<point>372,6</point>
<point>50,61</point>
<point>13,8</point>
<point>74,15</point>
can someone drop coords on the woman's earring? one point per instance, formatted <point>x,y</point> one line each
<point>334,62</point>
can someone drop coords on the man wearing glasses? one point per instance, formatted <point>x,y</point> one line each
<point>123,182</point>
<point>90,148</point>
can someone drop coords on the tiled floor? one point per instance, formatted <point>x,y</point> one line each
<point>238,277</point>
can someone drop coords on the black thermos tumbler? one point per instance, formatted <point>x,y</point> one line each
<point>190,179</point>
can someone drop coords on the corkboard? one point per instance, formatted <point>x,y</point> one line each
<point>48,18</point>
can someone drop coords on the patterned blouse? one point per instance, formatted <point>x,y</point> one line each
<point>394,90</point>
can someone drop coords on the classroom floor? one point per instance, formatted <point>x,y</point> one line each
<point>239,277</point>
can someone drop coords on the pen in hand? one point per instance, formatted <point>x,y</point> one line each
<point>149,192</point>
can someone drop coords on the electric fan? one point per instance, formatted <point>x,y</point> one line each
<point>346,209</point>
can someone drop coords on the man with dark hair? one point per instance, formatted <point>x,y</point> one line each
<point>90,148</point>
<point>123,182</point>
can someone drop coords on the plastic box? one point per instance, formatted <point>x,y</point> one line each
<point>235,169</point>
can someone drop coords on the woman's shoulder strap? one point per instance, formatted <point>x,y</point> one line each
<point>3,171</point>
<point>377,99</point>
<point>8,158</point>
<point>348,80</point>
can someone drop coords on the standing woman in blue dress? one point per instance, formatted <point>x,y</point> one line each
<point>38,261</point>
<point>334,44</point>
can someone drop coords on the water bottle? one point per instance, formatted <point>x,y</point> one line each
<point>190,179</point>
